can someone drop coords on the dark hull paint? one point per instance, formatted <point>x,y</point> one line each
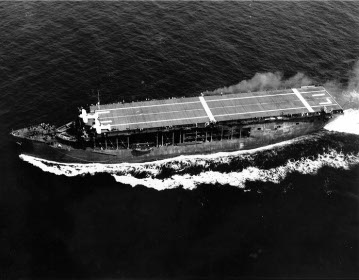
<point>266,135</point>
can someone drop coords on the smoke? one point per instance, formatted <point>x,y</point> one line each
<point>353,84</point>
<point>266,81</point>
<point>347,95</point>
<point>352,92</point>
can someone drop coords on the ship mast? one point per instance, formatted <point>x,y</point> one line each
<point>98,99</point>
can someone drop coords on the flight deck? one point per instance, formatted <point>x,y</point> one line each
<point>215,108</point>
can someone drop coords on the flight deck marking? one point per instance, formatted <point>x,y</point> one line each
<point>326,103</point>
<point>312,91</point>
<point>152,113</point>
<point>332,98</point>
<point>191,102</point>
<point>105,111</point>
<point>126,124</point>
<point>247,97</point>
<point>253,112</point>
<point>102,112</point>
<point>319,94</point>
<point>200,109</point>
<point>206,108</point>
<point>168,120</point>
<point>145,106</point>
<point>244,113</point>
<point>305,103</point>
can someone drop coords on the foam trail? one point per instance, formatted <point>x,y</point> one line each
<point>349,122</point>
<point>125,173</point>
<point>238,179</point>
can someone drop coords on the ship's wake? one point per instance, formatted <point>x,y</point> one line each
<point>348,123</point>
<point>272,163</point>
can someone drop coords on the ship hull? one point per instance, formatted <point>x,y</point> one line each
<point>262,134</point>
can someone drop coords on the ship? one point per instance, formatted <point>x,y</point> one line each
<point>151,130</point>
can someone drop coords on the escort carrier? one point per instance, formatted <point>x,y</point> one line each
<point>158,129</point>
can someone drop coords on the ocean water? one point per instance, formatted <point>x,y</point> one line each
<point>287,210</point>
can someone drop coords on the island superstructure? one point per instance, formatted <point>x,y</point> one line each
<point>157,129</point>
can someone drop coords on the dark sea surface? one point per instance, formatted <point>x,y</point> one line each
<point>53,58</point>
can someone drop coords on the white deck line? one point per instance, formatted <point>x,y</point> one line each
<point>244,113</point>
<point>326,103</point>
<point>125,124</point>
<point>145,106</point>
<point>170,112</point>
<point>312,91</point>
<point>148,114</point>
<point>305,103</point>
<point>247,105</point>
<point>248,97</point>
<point>168,120</point>
<point>333,98</point>
<point>319,94</point>
<point>103,112</point>
<point>109,121</point>
<point>191,102</point>
<point>270,110</point>
<point>206,108</point>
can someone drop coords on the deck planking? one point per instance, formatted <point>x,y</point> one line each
<point>191,110</point>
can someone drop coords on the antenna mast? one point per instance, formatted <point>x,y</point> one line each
<point>98,98</point>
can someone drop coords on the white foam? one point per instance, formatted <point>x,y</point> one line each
<point>125,173</point>
<point>238,179</point>
<point>348,123</point>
